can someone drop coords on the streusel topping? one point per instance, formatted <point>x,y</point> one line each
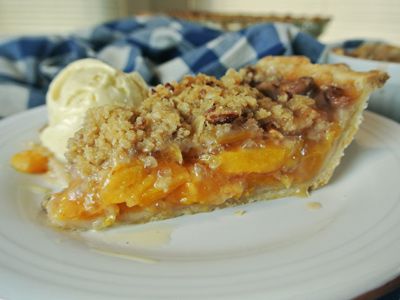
<point>195,117</point>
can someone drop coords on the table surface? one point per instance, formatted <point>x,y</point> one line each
<point>389,291</point>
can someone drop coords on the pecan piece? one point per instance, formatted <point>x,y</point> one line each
<point>268,89</point>
<point>300,86</point>
<point>169,86</point>
<point>336,96</point>
<point>267,125</point>
<point>320,99</point>
<point>221,116</point>
<point>210,83</point>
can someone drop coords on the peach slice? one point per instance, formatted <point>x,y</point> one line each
<point>257,160</point>
<point>30,161</point>
<point>135,185</point>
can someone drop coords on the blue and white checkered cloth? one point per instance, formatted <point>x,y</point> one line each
<point>158,47</point>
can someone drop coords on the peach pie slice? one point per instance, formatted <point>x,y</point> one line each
<point>275,129</point>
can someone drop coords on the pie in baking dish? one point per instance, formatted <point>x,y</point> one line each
<point>275,129</point>
<point>373,51</point>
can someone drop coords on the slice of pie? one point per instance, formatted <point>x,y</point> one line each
<point>275,129</point>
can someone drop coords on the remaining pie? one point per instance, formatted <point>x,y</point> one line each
<point>375,51</point>
<point>275,129</point>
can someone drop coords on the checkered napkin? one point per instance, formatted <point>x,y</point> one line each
<point>158,47</point>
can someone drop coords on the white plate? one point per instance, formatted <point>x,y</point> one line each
<point>276,250</point>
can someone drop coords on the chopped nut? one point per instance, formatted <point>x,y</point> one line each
<point>169,86</point>
<point>269,89</point>
<point>301,86</point>
<point>336,96</point>
<point>221,117</point>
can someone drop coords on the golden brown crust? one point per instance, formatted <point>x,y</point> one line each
<point>337,73</point>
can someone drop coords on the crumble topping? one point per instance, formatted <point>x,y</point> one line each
<point>200,115</point>
<point>106,138</point>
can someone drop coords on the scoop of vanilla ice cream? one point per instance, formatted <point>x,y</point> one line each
<point>82,85</point>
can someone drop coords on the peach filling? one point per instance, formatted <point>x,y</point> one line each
<point>30,161</point>
<point>209,180</point>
